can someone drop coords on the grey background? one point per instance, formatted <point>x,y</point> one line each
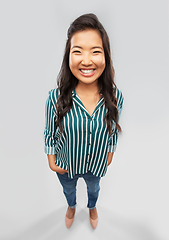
<point>134,197</point>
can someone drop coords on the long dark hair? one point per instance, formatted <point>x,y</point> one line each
<point>66,81</point>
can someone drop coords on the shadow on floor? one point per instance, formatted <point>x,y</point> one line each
<point>123,228</point>
<point>53,222</point>
<point>110,227</point>
<point>53,226</point>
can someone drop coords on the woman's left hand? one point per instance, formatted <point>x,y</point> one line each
<point>110,157</point>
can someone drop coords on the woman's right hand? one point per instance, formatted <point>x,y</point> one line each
<point>60,170</point>
<point>53,166</point>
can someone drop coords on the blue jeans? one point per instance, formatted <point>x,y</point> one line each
<point>69,188</point>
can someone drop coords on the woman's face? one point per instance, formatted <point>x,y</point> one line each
<point>86,57</point>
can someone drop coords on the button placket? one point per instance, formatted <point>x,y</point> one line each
<point>90,138</point>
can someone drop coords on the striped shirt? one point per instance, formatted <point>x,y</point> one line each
<point>85,142</point>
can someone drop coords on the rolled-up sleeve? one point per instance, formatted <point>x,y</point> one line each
<point>50,126</point>
<point>113,138</point>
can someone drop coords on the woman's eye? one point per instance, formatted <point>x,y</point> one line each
<point>96,52</point>
<point>76,51</point>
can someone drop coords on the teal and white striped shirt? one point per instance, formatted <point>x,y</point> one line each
<point>85,142</point>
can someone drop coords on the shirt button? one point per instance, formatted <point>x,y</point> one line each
<point>89,143</point>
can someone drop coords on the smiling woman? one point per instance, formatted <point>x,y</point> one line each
<point>86,58</point>
<point>82,114</point>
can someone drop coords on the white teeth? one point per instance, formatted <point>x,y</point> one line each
<point>87,71</point>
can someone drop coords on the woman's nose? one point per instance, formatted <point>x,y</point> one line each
<point>86,60</point>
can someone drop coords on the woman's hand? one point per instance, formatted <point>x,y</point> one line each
<point>53,166</point>
<point>110,157</point>
<point>60,170</point>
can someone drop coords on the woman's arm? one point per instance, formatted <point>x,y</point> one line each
<point>53,166</point>
<point>110,157</point>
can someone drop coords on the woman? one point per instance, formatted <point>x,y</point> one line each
<point>82,114</point>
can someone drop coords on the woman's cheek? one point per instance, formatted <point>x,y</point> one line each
<point>100,61</point>
<point>74,61</point>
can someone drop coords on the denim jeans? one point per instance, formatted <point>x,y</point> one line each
<point>69,188</point>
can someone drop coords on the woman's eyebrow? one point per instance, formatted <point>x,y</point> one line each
<point>91,48</point>
<point>76,47</point>
<point>97,47</point>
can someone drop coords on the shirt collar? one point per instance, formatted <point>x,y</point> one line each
<point>73,93</point>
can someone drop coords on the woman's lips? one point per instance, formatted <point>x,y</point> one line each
<point>87,72</point>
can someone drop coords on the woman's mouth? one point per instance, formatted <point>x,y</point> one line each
<point>87,72</point>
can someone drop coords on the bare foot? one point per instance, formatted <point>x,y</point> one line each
<point>70,213</point>
<point>93,213</point>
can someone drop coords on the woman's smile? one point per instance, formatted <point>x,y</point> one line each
<point>87,72</point>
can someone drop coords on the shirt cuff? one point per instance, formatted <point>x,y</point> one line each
<point>50,150</point>
<point>112,148</point>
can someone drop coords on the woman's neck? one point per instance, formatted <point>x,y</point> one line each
<point>87,89</point>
